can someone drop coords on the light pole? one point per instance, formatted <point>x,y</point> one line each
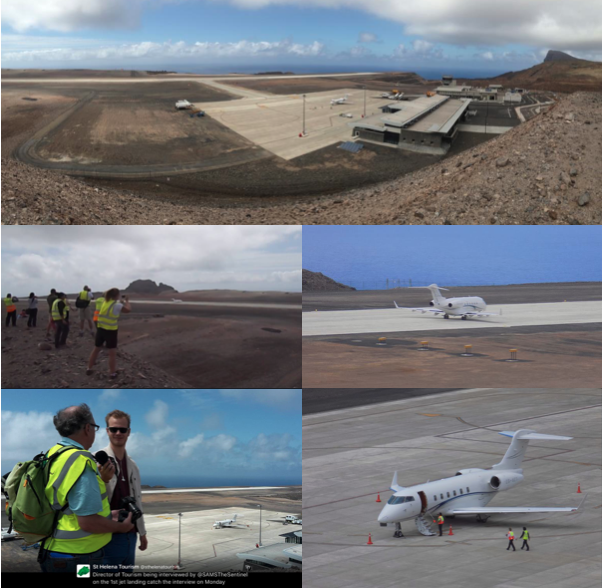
<point>364,101</point>
<point>259,505</point>
<point>179,565</point>
<point>303,135</point>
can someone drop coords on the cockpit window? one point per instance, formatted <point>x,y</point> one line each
<point>400,499</point>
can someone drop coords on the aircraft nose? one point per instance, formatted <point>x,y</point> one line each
<point>385,515</point>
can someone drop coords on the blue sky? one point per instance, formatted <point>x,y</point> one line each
<point>179,437</point>
<point>458,36</point>
<point>258,258</point>
<point>366,256</point>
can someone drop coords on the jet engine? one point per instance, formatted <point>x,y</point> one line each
<point>469,471</point>
<point>505,480</point>
<point>432,303</point>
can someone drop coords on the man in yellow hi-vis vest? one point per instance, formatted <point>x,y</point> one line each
<point>525,538</point>
<point>60,316</point>
<point>510,535</point>
<point>11,310</point>
<point>98,305</point>
<point>440,521</point>
<point>87,523</point>
<point>106,333</point>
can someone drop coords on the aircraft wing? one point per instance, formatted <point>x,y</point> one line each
<point>515,509</point>
<point>434,310</point>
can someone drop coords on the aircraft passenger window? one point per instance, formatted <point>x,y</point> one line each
<point>455,493</point>
<point>467,489</point>
<point>448,494</point>
<point>461,492</point>
<point>441,496</point>
<point>435,498</point>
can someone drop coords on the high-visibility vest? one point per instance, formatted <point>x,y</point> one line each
<point>83,295</point>
<point>106,318</point>
<point>10,305</point>
<point>440,520</point>
<point>526,535</point>
<point>511,535</point>
<point>68,536</point>
<point>99,302</point>
<point>56,315</point>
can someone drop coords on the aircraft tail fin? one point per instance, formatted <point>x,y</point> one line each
<point>518,447</point>
<point>435,291</point>
<point>394,485</point>
<point>395,303</point>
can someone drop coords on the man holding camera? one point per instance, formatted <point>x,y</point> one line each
<point>122,477</point>
<point>87,522</point>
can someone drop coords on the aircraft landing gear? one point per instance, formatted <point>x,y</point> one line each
<point>446,316</point>
<point>482,518</point>
<point>398,532</point>
<point>464,317</point>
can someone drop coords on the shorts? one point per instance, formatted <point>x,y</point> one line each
<point>106,336</point>
<point>85,314</point>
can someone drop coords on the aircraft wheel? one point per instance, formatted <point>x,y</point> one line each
<point>445,316</point>
<point>464,318</point>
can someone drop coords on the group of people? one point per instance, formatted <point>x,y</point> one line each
<point>102,325</point>
<point>509,534</point>
<point>90,531</point>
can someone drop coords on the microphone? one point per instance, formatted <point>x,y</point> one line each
<point>101,457</point>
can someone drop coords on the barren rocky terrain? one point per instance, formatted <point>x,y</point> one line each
<point>546,171</point>
<point>318,282</point>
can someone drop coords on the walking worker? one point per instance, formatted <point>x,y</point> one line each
<point>32,311</point>
<point>83,305</point>
<point>11,310</point>
<point>74,485</point>
<point>60,316</point>
<point>510,535</point>
<point>525,538</point>
<point>440,521</point>
<point>98,302</point>
<point>107,329</point>
<point>51,298</point>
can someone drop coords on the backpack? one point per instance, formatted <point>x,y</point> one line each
<point>29,511</point>
<point>81,303</point>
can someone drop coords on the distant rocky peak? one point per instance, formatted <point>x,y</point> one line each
<point>558,56</point>
<point>148,287</point>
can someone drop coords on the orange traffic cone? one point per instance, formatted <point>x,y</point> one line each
<point>370,540</point>
<point>378,498</point>
<point>579,489</point>
<point>450,530</point>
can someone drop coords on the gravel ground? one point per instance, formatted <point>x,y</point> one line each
<point>546,171</point>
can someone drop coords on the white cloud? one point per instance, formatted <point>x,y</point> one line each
<point>25,434</point>
<point>488,55</point>
<point>185,257</point>
<point>157,416</point>
<point>186,448</point>
<point>108,396</point>
<point>367,38</point>
<point>150,51</point>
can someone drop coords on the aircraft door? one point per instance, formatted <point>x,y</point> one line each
<point>423,502</point>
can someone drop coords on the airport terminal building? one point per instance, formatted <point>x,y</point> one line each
<point>428,124</point>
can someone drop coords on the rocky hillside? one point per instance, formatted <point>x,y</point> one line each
<point>559,56</point>
<point>29,360</point>
<point>546,171</point>
<point>148,287</point>
<point>558,73</point>
<point>318,282</point>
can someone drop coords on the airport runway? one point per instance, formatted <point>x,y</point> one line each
<point>272,306</point>
<point>399,320</point>
<point>349,455</point>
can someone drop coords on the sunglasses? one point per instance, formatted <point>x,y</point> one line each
<point>122,430</point>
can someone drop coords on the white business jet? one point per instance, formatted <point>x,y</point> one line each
<point>341,100</point>
<point>464,307</point>
<point>468,492</point>
<point>227,523</point>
